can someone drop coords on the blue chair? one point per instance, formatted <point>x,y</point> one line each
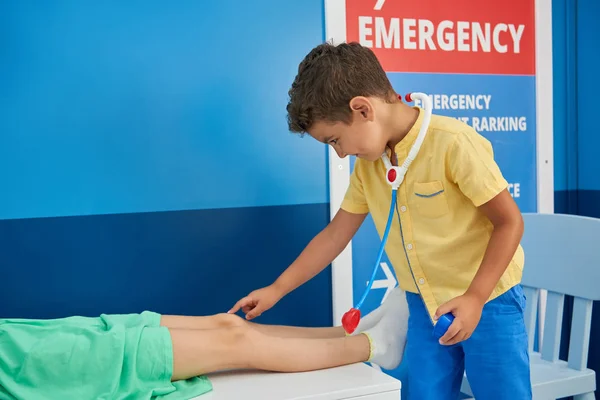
<point>562,256</point>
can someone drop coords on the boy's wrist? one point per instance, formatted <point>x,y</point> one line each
<point>280,287</point>
<point>478,294</point>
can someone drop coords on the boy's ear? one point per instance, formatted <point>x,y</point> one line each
<point>362,108</point>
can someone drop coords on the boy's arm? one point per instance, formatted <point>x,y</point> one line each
<point>472,167</point>
<point>506,217</point>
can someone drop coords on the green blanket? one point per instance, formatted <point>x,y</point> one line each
<point>111,357</point>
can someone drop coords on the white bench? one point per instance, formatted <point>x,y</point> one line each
<point>356,382</point>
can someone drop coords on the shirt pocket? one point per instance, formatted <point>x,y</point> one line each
<point>430,199</point>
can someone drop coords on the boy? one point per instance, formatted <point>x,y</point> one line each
<point>149,356</point>
<point>455,242</point>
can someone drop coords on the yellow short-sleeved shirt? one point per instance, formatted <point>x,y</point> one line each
<point>444,233</point>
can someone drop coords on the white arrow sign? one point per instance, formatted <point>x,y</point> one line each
<point>378,5</point>
<point>389,283</point>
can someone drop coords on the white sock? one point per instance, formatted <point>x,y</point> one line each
<point>371,319</point>
<point>388,336</point>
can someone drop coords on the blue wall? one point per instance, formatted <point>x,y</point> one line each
<point>576,141</point>
<point>145,161</point>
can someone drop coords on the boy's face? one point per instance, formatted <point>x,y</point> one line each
<point>362,137</point>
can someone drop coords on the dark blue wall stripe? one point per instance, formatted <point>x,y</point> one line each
<point>579,202</point>
<point>188,262</point>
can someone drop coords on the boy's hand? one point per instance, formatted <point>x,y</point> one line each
<point>467,313</point>
<point>257,302</point>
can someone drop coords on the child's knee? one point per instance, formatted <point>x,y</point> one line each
<point>239,336</point>
<point>224,320</point>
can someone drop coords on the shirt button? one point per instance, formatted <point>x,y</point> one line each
<point>421,281</point>
<point>403,208</point>
<point>409,246</point>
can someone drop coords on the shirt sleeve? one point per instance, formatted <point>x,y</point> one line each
<point>473,168</point>
<point>355,201</point>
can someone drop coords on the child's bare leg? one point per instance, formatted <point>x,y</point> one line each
<point>217,321</point>
<point>230,320</point>
<point>197,352</point>
<point>299,332</point>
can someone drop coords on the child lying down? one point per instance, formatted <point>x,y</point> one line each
<point>152,356</point>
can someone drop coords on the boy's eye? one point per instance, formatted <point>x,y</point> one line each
<point>333,141</point>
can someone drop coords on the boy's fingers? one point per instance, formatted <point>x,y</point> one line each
<point>256,311</point>
<point>444,309</point>
<point>452,331</point>
<point>241,303</point>
<point>460,336</point>
<point>247,309</point>
<point>233,309</point>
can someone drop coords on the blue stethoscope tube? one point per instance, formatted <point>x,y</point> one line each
<point>381,248</point>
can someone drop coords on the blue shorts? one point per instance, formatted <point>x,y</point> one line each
<point>495,357</point>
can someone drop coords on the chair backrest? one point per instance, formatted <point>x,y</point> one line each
<point>562,255</point>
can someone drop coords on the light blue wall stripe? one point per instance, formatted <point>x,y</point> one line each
<point>150,106</point>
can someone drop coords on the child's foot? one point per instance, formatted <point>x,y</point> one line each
<point>371,319</point>
<point>388,336</point>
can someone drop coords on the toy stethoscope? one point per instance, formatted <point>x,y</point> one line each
<point>394,177</point>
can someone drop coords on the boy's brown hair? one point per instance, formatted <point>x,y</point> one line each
<point>328,78</point>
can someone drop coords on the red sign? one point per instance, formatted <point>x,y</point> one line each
<point>459,36</point>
